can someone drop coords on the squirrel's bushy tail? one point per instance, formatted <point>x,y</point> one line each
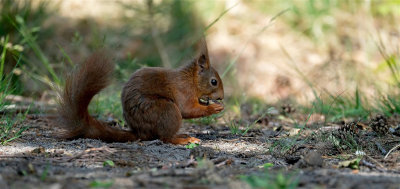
<point>81,85</point>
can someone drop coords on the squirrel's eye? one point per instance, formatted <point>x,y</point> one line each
<point>214,82</point>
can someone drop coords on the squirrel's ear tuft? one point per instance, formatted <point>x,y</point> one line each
<point>202,59</point>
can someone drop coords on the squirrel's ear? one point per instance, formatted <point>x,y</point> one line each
<point>202,60</point>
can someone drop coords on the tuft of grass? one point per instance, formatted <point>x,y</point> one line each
<point>271,181</point>
<point>341,107</point>
<point>45,172</point>
<point>333,107</point>
<point>22,21</point>
<point>29,38</point>
<point>8,120</point>
<point>8,130</point>
<point>35,13</point>
<point>312,18</point>
<point>209,120</point>
<point>107,105</point>
<point>108,163</point>
<point>234,126</point>
<point>101,184</point>
<point>389,103</point>
<point>191,145</point>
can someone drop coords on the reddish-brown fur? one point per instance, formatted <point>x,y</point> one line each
<point>154,100</point>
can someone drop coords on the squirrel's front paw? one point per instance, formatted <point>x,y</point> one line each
<point>214,108</point>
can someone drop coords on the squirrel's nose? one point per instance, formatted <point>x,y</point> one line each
<point>219,96</point>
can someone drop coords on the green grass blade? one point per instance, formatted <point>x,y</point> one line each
<point>26,34</point>
<point>3,57</point>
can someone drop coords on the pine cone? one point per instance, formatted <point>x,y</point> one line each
<point>348,129</point>
<point>292,149</point>
<point>292,155</point>
<point>379,124</point>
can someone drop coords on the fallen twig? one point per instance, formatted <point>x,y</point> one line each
<point>375,161</point>
<point>371,165</point>
<point>391,150</point>
<point>226,162</point>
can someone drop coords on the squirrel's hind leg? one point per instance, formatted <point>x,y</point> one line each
<point>169,124</point>
<point>157,118</point>
<point>153,118</point>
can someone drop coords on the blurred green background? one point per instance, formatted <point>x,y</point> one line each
<point>338,58</point>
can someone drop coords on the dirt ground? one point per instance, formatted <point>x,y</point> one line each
<point>222,160</point>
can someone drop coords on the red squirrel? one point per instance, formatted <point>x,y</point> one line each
<point>154,100</point>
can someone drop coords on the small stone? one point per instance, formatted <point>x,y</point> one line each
<point>314,159</point>
<point>396,131</point>
<point>310,159</point>
<point>39,150</point>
